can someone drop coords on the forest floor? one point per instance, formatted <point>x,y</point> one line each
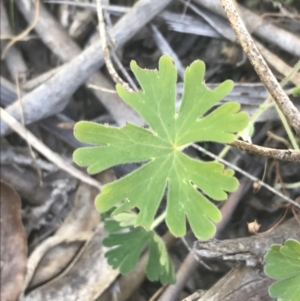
<point>51,233</point>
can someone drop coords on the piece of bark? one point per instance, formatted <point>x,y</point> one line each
<point>241,284</point>
<point>245,282</point>
<point>250,250</point>
<point>13,244</point>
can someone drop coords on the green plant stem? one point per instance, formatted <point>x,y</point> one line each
<point>226,149</point>
<point>158,220</point>
<point>282,117</point>
<point>287,129</point>
<point>289,76</point>
<point>265,106</point>
<point>288,185</point>
<point>262,108</point>
<point>12,13</point>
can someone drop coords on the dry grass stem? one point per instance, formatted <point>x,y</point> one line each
<point>22,35</point>
<point>279,139</point>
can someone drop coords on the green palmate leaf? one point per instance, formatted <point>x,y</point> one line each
<point>128,246</point>
<point>160,148</point>
<point>283,263</point>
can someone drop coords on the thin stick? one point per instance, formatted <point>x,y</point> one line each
<point>46,151</point>
<point>25,39</point>
<point>117,79</point>
<point>279,154</point>
<point>246,174</point>
<point>267,77</point>
<point>102,89</point>
<point>279,139</point>
<point>25,32</point>
<point>158,293</point>
<point>32,154</point>
<point>123,71</point>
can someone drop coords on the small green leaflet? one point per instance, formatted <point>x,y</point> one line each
<point>283,264</point>
<point>187,181</point>
<point>128,246</point>
<point>296,91</point>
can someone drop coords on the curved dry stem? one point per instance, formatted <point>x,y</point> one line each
<point>113,73</point>
<point>267,77</point>
<point>23,34</point>
<point>279,154</point>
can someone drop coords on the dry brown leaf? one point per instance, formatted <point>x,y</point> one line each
<point>13,244</point>
<point>88,277</point>
<point>83,217</point>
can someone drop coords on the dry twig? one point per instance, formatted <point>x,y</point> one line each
<point>279,154</point>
